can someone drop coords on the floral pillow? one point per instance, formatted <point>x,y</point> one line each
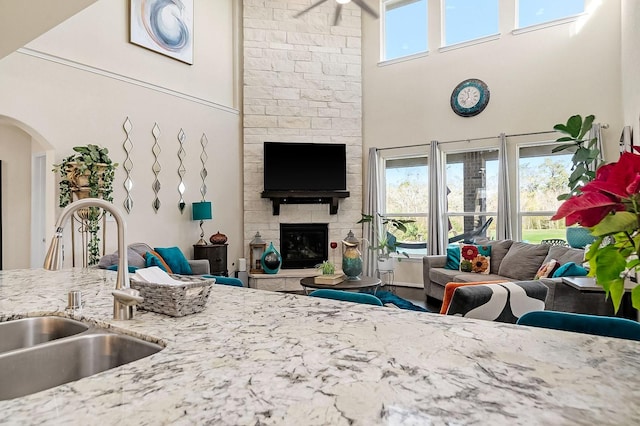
<point>475,258</point>
<point>547,269</point>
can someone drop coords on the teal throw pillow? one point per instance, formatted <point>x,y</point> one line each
<point>570,269</point>
<point>176,260</point>
<point>152,260</point>
<point>453,257</point>
<point>132,269</point>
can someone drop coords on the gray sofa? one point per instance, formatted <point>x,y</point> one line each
<point>510,260</point>
<point>135,257</point>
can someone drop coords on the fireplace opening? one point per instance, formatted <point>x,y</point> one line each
<point>303,245</point>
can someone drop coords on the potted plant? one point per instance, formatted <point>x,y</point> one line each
<point>386,243</point>
<point>610,206</point>
<point>89,172</point>
<point>586,159</point>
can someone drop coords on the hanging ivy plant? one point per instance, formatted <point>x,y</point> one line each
<point>87,173</point>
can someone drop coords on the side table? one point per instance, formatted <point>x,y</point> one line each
<point>363,283</point>
<point>216,254</point>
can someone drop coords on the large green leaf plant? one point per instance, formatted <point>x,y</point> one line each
<point>586,155</point>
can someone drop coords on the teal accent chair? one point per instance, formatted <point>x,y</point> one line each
<point>235,282</point>
<point>368,299</point>
<point>621,328</point>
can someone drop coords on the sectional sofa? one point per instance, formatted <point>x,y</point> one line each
<point>518,261</point>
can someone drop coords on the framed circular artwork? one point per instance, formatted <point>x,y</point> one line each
<point>470,97</point>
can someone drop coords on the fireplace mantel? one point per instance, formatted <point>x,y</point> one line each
<point>305,197</point>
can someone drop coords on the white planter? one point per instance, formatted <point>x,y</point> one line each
<point>386,263</point>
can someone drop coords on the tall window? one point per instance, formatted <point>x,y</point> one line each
<point>542,176</point>
<point>472,193</point>
<point>533,12</point>
<point>405,28</point>
<point>466,20</point>
<point>407,197</point>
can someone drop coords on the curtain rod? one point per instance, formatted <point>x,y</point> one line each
<point>470,140</point>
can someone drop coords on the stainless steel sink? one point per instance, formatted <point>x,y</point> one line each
<point>27,332</point>
<point>29,370</point>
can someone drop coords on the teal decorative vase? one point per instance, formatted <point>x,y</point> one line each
<point>271,260</point>
<point>351,258</point>
<point>578,237</point>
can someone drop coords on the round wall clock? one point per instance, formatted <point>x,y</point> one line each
<point>470,97</point>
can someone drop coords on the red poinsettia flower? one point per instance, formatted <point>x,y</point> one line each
<point>469,252</point>
<point>613,183</point>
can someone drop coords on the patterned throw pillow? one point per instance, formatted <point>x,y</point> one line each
<point>474,258</point>
<point>547,269</point>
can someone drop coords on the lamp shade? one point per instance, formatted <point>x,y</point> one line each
<point>201,210</point>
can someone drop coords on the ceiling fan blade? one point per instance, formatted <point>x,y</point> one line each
<point>366,8</point>
<point>336,17</point>
<point>302,12</point>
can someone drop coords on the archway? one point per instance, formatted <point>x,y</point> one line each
<point>27,194</point>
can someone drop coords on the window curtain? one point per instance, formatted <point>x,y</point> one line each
<point>503,225</point>
<point>371,207</point>
<point>596,132</point>
<point>437,240</point>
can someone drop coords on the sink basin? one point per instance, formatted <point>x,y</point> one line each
<point>26,332</point>
<point>65,360</point>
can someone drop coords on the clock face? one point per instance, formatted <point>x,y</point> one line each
<point>470,98</point>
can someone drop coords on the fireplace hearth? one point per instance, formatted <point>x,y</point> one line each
<point>303,245</point>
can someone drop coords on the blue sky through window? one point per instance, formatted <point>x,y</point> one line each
<point>469,19</point>
<point>406,21</point>
<point>532,12</point>
<point>405,29</point>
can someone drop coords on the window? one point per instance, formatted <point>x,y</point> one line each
<point>472,199</point>
<point>407,197</point>
<point>533,12</point>
<point>542,176</point>
<point>405,28</point>
<point>466,20</point>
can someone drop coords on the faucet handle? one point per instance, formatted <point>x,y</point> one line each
<point>128,296</point>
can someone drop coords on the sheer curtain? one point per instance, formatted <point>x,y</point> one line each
<point>503,226</point>
<point>371,207</point>
<point>437,240</point>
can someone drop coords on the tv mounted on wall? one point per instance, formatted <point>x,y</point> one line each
<point>293,166</point>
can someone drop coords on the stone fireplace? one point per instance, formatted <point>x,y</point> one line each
<point>303,245</point>
<point>302,83</point>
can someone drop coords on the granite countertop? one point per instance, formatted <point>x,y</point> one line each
<point>255,357</point>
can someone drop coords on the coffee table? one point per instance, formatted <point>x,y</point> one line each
<point>362,283</point>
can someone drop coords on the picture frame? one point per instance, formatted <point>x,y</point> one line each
<point>163,26</point>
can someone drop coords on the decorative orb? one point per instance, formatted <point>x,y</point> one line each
<point>218,238</point>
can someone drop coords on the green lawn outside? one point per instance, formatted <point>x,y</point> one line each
<point>534,236</point>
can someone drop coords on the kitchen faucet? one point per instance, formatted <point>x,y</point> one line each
<point>124,298</point>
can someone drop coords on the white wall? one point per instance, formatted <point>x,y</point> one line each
<point>15,154</point>
<point>77,83</point>
<point>536,79</point>
<point>630,65</point>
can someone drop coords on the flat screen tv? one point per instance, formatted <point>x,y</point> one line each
<point>293,166</point>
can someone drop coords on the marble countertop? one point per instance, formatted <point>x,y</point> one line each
<point>255,357</point>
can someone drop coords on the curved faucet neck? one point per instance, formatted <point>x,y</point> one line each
<point>53,258</point>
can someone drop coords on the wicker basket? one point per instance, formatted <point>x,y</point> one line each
<point>176,300</point>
